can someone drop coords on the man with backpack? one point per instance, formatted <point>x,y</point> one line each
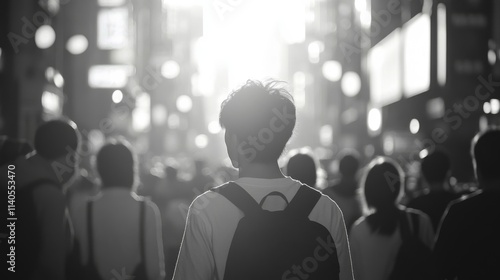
<point>264,225</point>
<point>38,208</point>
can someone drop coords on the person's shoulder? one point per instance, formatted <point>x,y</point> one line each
<point>48,191</point>
<point>466,202</point>
<point>359,227</point>
<point>210,201</point>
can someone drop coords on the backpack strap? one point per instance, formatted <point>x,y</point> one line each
<point>303,202</point>
<point>273,194</point>
<point>239,197</point>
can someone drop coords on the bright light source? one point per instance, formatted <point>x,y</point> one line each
<point>332,70</point>
<point>492,57</point>
<point>326,135</point>
<point>50,102</point>
<point>495,106</point>
<point>112,28</point>
<point>58,80</point>
<point>441,44</point>
<point>201,141</point>
<point>384,66</point>
<point>314,49</point>
<point>374,119</point>
<point>360,5</point>
<point>365,17</point>
<point>487,107</point>
<point>77,44</point>
<point>159,114</point>
<point>423,153</point>
<point>414,126</point>
<point>141,116</point>
<point>170,69</point>
<point>350,84</point>
<point>117,96</point>
<point>214,127</point>
<point>109,76</point>
<point>141,119</point>
<point>184,103</point>
<point>417,55</point>
<point>45,36</point>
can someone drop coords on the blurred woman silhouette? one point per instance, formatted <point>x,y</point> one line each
<point>375,239</point>
<point>119,233</point>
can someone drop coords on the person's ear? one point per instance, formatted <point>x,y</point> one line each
<point>232,148</point>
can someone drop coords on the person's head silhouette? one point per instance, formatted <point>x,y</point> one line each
<point>349,164</point>
<point>58,142</point>
<point>486,157</point>
<point>435,168</point>
<point>259,120</point>
<point>302,167</point>
<point>382,187</point>
<point>117,164</point>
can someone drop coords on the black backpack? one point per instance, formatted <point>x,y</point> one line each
<point>413,261</point>
<point>279,244</point>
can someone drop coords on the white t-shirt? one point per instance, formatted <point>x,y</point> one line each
<point>212,222</point>
<point>374,255</point>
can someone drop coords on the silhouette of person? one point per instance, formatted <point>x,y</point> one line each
<point>11,149</point>
<point>468,242</point>
<point>345,191</point>
<point>259,120</point>
<point>43,234</point>
<point>375,239</point>
<point>435,169</point>
<point>302,167</point>
<point>118,231</point>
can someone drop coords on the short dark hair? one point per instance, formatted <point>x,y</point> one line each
<point>253,110</point>
<point>349,164</point>
<point>435,167</point>
<point>302,167</point>
<point>56,138</point>
<point>383,183</point>
<point>116,164</point>
<point>486,154</point>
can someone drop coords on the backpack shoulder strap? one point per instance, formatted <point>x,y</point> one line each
<point>304,201</point>
<point>239,197</point>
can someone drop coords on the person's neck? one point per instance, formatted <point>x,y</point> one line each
<point>261,170</point>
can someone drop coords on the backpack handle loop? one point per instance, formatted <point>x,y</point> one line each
<point>275,193</point>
